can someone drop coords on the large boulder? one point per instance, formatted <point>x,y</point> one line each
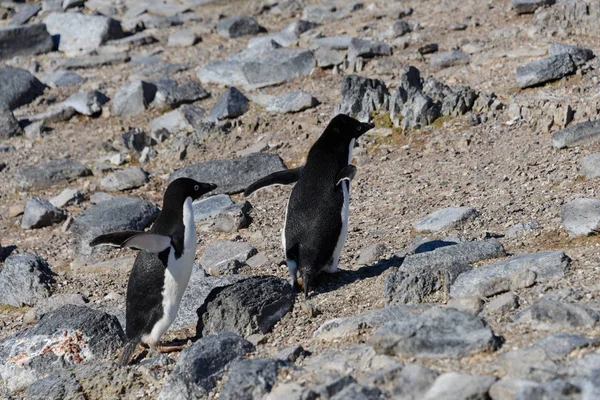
<point>25,40</point>
<point>81,32</point>
<point>19,87</point>
<point>24,280</point>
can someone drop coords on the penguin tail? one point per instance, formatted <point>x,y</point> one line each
<point>128,350</point>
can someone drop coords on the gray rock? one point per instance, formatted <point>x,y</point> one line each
<point>412,381</point>
<point>436,333</point>
<point>170,94</point>
<point>24,280</point>
<point>66,197</point>
<point>55,302</point>
<point>339,328</point>
<point>249,306</point>
<point>283,39</point>
<point>55,388</point>
<point>46,175</point>
<point>211,206</point>
<point>549,314</point>
<point>456,386</point>
<point>410,107</point>
<point>547,265</point>
<point>400,28</point>
<point>357,392</point>
<point>128,178</point>
<point>448,59</point>
<point>238,26</point>
<point>250,379</point>
<point>231,104</point>
<point>232,175</point>
<point>581,217</point>
<point>503,304</point>
<point>278,66</point>
<point>228,73</point>
<point>182,38</point>
<point>371,254</point>
<point>133,98</point>
<point>522,228</point>
<point>24,14</point>
<point>428,48</point>
<point>323,13</point>
<point>299,27</point>
<point>578,54</point>
<point>219,257</point>
<point>130,42</point>
<point>367,49</point>
<point>184,119</point>
<point>290,102</point>
<point>81,32</point>
<point>590,166</point>
<point>510,388</point>
<point>9,126</point>
<point>444,219</point>
<point>472,304</point>
<point>87,103</point>
<point>230,219</point>
<point>117,214</point>
<point>65,337</point>
<point>19,87</point>
<point>36,130</point>
<point>63,78</point>
<point>293,353</point>
<point>332,42</point>
<point>59,113</point>
<point>136,140</point>
<point>544,70</point>
<point>25,41</point>
<point>40,213</point>
<point>328,57</point>
<point>93,61</point>
<point>362,96</point>
<point>576,135</point>
<point>455,101</point>
<point>529,6</point>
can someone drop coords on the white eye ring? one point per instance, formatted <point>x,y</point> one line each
<point>196,187</point>
<point>359,128</point>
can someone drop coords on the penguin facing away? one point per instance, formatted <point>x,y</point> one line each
<point>316,222</point>
<point>162,268</point>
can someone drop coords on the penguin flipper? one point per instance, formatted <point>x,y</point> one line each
<point>346,174</point>
<point>276,178</point>
<point>150,242</point>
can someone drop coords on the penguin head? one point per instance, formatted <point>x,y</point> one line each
<point>182,188</point>
<point>344,128</point>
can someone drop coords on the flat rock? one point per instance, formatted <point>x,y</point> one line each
<point>24,280</point>
<point>42,176</point>
<point>57,301</point>
<point>544,70</point>
<point>547,266</point>
<point>283,38</point>
<point>510,388</point>
<point>590,166</point>
<point>502,304</point>
<point>53,387</point>
<point>332,42</point>
<point>66,197</point>
<point>201,365</point>
<point>367,49</point>
<point>278,66</point>
<point>230,219</point>
<point>87,102</point>
<point>40,213</point>
<point>210,206</point>
<point>24,14</point>
<point>456,386</point>
<point>232,175</point>
<point>9,125</point>
<point>362,96</point>
<point>184,119</point>
<point>171,94</point>
<point>94,61</point>
<point>117,214</point>
<point>238,26</point>
<point>250,379</point>
<point>224,255</point>
<point>549,314</point>
<point>81,32</point>
<point>182,38</point>
<point>290,102</point>
<point>437,333</point>
<point>444,219</point>
<point>249,306</point>
<point>371,254</point>
<point>227,73</point>
<point>323,13</point>
<point>231,104</point>
<point>128,178</point>
<point>62,78</point>
<point>578,54</point>
<point>328,57</point>
<point>19,87</point>
<point>523,228</point>
<point>529,6</point>
<point>576,135</point>
<point>133,98</point>
<point>581,217</point>
<point>25,41</point>
<point>400,28</point>
<point>447,59</point>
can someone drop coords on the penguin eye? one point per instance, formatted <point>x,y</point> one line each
<point>359,128</point>
<point>196,187</point>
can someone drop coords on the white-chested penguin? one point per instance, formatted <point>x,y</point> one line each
<point>162,268</point>
<point>316,223</point>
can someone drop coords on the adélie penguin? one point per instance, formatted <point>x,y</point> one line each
<point>316,222</point>
<point>162,268</point>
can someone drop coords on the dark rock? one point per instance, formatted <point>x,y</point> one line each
<point>136,140</point>
<point>9,126</point>
<point>128,178</point>
<point>26,40</point>
<point>133,98</point>
<point>172,95</point>
<point>578,54</point>
<point>40,213</point>
<point>410,105</point>
<point>291,354</point>
<point>55,388</point>
<point>529,6</point>
<point>117,214</point>
<point>357,392</point>
<point>232,175</point>
<point>428,48</point>
<point>436,333</point>
<point>77,32</point>
<point>24,280</point>
<point>362,96</point>
<point>576,135</point>
<point>249,306</point>
<point>238,26</point>
<point>544,70</point>
<point>87,102</point>
<point>19,87</point>
<point>400,28</point>
<point>54,172</point>
<point>93,61</point>
<point>55,302</point>
<point>231,104</point>
<point>201,365</point>
<point>457,386</point>
<point>448,59</point>
<point>581,217</point>
<point>455,100</point>
<point>63,78</point>
<point>220,256</point>
<point>553,314</point>
<point>24,14</point>
<point>250,379</point>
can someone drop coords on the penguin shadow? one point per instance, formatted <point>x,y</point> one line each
<point>6,251</point>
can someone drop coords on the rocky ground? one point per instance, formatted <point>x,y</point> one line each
<point>469,270</point>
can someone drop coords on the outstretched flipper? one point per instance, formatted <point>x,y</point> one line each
<point>150,242</point>
<point>277,178</point>
<point>346,174</point>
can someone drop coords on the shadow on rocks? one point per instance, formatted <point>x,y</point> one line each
<point>6,251</point>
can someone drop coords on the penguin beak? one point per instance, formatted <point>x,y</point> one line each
<point>205,188</point>
<point>366,126</point>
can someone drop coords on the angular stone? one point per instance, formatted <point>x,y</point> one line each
<point>290,102</point>
<point>503,304</point>
<point>228,73</point>
<point>19,87</point>
<point>25,41</point>
<point>529,6</point>
<point>232,175</point>
<point>444,219</point>
<point>63,78</point>
<point>230,219</point>
<point>24,280</point>
<point>400,28</point>
<point>133,98</point>
<point>299,27</point>
<point>522,228</point>
<point>81,32</point>
<point>283,38</point>
<point>436,333</point>
<point>87,103</point>
<point>323,13</point>
<point>410,107</point>
<point>9,126</point>
<point>238,26</point>
<point>55,388</point>
<point>355,391</point>
<point>578,54</point>
<point>129,42</point>
<point>210,206</point>
<point>590,166</point>
<point>170,94</point>
<point>248,306</point>
<point>128,178</point>
<point>40,213</point>
<point>544,70</point>
<point>576,135</point>
<point>42,176</point>
<point>456,386</point>
<point>547,265</point>
<point>472,304</point>
<point>24,14</point>
<point>184,119</point>
<point>222,253</point>
<point>328,57</point>
<point>250,379</point>
<point>55,302</point>
<point>547,314</point>
<point>66,197</point>
<point>293,353</point>
<point>362,96</point>
<point>367,49</point>
<point>182,38</point>
<point>448,59</point>
<point>510,388</point>
<point>581,217</point>
<point>455,101</point>
<point>231,104</point>
<point>371,254</point>
<point>201,365</point>
<point>117,214</point>
<point>277,67</point>
<point>333,42</point>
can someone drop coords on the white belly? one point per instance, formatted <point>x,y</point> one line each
<point>333,267</point>
<point>177,277</point>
